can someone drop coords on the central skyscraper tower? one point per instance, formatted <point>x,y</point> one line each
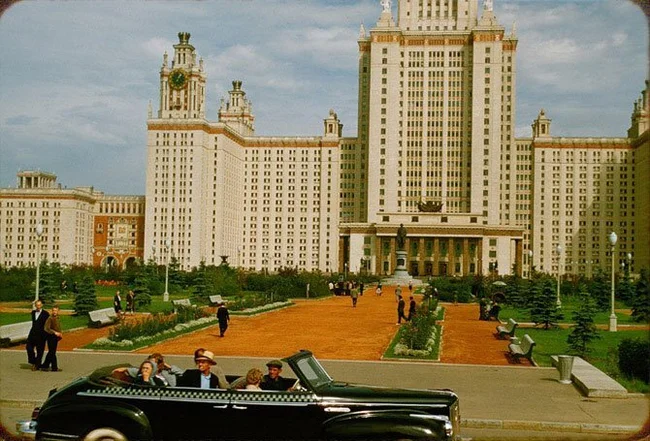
<point>436,118</point>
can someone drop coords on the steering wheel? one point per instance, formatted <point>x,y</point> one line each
<point>297,387</point>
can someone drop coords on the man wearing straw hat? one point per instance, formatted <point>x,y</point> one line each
<point>203,377</point>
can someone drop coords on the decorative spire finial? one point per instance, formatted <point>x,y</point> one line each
<point>487,5</point>
<point>386,5</point>
<point>362,31</point>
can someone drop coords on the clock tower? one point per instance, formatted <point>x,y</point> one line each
<point>182,83</point>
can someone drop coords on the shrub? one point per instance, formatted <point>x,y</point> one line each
<point>155,324</point>
<point>419,329</point>
<point>634,358</point>
<point>641,300</point>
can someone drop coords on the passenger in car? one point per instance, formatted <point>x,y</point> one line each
<point>146,375</point>
<point>273,380</point>
<point>253,379</point>
<point>168,374</point>
<point>203,377</point>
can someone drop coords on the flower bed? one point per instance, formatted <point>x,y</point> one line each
<point>263,308</point>
<point>145,340</point>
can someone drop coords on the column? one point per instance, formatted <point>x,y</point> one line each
<point>451,265</point>
<point>465,257</point>
<point>421,253</point>
<point>341,254</point>
<point>392,257</point>
<point>479,257</point>
<point>379,259</point>
<point>436,256</point>
<point>519,254</point>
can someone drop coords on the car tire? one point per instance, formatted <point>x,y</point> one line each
<point>105,434</point>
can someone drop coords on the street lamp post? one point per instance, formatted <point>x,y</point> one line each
<point>39,233</point>
<point>530,263</point>
<point>559,261</point>
<point>166,293</point>
<point>612,318</point>
<point>629,263</point>
<point>345,271</point>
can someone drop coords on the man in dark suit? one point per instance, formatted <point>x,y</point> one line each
<point>203,377</point>
<point>37,336</point>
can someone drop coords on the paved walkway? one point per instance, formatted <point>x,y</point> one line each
<point>343,332</point>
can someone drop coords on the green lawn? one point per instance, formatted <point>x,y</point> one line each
<point>67,321</point>
<point>568,308</point>
<point>603,355</point>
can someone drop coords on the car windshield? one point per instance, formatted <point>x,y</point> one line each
<point>313,372</point>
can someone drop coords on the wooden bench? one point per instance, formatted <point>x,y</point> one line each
<point>215,300</point>
<point>508,330</point>
<point>14,333</point>
<point>522,349</point>
<point>102,317</point>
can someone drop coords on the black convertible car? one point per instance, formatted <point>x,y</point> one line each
<point>103,407</point>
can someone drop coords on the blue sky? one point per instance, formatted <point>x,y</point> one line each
<point>76,77</point>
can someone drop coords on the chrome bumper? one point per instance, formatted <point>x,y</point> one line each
<point>26,429</point>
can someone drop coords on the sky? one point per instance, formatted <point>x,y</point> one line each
<point>76,77</point>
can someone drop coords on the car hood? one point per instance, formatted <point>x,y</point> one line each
<point>336,391</point>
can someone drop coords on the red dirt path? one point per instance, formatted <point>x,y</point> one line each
<point>332,329</point>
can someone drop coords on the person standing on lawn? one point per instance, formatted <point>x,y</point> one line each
<point>224,317</point>
<point>37,336</point>
<point>54,334</point>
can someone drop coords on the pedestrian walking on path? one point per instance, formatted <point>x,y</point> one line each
<point>378,290</point>
<point>54,334</point>
<point>412,307</point>
<point>354,294</point>
<point>224,317</point>
<point>37,336</point>
<point>398,293</point>
<point>400,311</point>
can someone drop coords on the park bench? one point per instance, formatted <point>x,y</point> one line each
<point>508,330</point>
<point>14,333</point>
<point>215,300</point>
<point>101,317</point>
<point>181,302</point>
<point>522,349</point>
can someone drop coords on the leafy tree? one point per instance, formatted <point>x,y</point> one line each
<point>584,331</point>
<point>141,291</point>
<point>543,309</point>
<point>17,283</point>
<point>86,299</point>
<point>224,281</point>
<point>641,300</point>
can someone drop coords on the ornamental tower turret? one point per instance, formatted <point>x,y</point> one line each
<point>182,83</point>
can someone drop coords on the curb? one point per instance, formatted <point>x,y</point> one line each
<point>548,426</point>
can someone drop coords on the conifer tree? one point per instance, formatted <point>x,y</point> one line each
<point>141,291</point>
<point>600,289</point>
<point>544,309</point>
<point>46,282</point>
<point>201,292</point>
<point>584,331</point>
<point>641,300</point>
<point>86,299</point>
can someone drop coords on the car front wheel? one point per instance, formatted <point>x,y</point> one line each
<point>105,434</point>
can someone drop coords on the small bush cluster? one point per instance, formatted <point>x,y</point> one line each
<point>634,358</point>
<point>155,324</point>
<point>420,329</point>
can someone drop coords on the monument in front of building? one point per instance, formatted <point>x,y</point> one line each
<point>400,268</point>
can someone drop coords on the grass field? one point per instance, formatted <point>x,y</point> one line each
<point>603,355</point>
<point>568,308</point>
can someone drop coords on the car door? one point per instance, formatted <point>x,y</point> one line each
<point>261,414</point>
<point>184,412</point>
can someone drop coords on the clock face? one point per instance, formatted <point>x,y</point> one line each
<point>177,79</point>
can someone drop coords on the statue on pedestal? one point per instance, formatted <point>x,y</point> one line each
<point>401,237</point>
